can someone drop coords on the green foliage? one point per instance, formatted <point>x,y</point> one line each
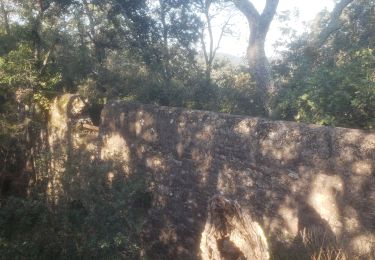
<point>341,94</point>
<point>335,84</point>
<point>237,91</point>
<point>20,73</point>
<point>134,50</point>
<point>103,222</point>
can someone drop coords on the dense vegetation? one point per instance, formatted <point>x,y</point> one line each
<point>103,222</point>
<point>332,84</point>
<point>151,51</point>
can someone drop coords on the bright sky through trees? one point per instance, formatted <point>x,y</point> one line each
<point>306,9</point>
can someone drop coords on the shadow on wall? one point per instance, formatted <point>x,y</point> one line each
<point>295,179</point>
<point>306,185</point>
<point>89,183</point>
<point>94,208</point>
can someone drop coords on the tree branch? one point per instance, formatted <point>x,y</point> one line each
<point>259,22</point>
<point>224,27</point>
<point>248,9</point>
<point>5,18</point>
<point>204,47</point>
<point>47,57</point>
<point>268,14</point>
<point>334,24</point>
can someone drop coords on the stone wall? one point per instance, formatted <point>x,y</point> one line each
<point>291,177</point>
<point>66,142</point>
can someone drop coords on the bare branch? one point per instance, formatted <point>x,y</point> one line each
<point>47,57</point>
<point>224,27</point>
<point>204,47</point>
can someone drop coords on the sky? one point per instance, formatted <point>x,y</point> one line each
<point>307,9</point>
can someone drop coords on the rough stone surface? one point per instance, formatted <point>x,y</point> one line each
<point>290,176</point>
<point>230,233</point>
<point>65,139</point>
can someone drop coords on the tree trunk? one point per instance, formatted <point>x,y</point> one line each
<point>5,13</point>
<point>97,43</point>
<point>165,35</point>
<point>260,71</point>
<point>209,58</point>
<point>258,64</point>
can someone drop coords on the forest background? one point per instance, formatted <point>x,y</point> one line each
<point>165,52</point>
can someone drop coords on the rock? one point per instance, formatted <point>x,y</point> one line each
<point>230,233</point>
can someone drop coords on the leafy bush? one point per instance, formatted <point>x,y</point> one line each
<point>338,93</point>
<point>103,222</point>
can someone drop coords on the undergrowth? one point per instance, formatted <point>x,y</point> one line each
<point>96,219</point>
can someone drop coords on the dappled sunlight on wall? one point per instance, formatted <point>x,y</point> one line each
<point>288,218</point>
<point>115,147</point>
<point>64,113</point>
<point>326,192</point>
<point>228,181</point>
<point>364,168</point>
<point>244,127</point>
<point>363,243</point>
<point>280,142</point>
<point>156,163</point>
<point>203,163</point>
<point>295,179</point>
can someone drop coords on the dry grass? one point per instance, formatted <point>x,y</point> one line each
<point>330,254</point>
<point>320,246</point>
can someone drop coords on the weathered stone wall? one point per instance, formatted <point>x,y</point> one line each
<point>291,177</point>
<point>66,142</point>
